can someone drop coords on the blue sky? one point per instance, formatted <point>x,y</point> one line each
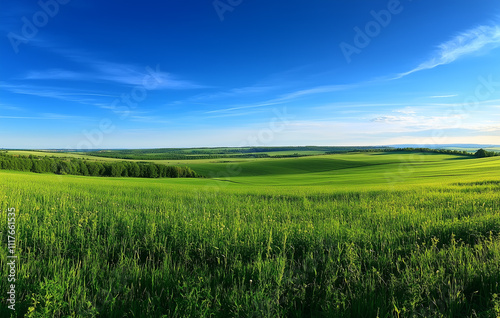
<point>185,73</point>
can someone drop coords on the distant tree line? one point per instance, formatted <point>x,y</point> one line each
<point>481,153</point>
<point>217,153</point>
<point>411,149</point>
<point>441,151</point>
<point>74,166</point>
<point>298,149</point>
<point>362,149</point>
<point>172,156</point>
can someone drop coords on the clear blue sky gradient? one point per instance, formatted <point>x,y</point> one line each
<point>186,73</point>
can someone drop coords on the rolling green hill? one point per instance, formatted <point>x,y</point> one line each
<point>351,169</point>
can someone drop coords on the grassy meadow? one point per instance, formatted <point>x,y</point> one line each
<point>347,235</point>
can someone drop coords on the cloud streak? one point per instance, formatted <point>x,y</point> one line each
<point>115,73</point>
<point>56,93</point>
<point>468,42</point>
<point>101,70</point>
<point>444,96</point>
<point>289,97</point>
<point>50,116</point>
<point>10,108</point>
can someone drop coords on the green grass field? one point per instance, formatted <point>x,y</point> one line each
<point>348,235</point>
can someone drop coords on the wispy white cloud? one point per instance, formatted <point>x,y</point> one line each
<point>55,92</point>
<point>55,116</point>
<point>139,117</point>
<point>116,73</point>
<point>53,74</point>
<point>444,96</point>
<point>50,116</point>
<point>101,70</point>
<point>19,117</point>
<point>9,107</point>
<point>289,97</point>
<point>235,114</point>
<point>255,105</point>
<point>392,119</point>
<point>234,92</point>
<point>136,76</point>
<point>415,122</point>
<point>406,111</point>
<point>317,90</point>
<point>471,41</point>
<point>71,95</point>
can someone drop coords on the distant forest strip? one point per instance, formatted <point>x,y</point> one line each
<point>174,156</point>
<point>216,153</point>
<point>74,166</point>
<point>410,149</point>
<point>481,153</point>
